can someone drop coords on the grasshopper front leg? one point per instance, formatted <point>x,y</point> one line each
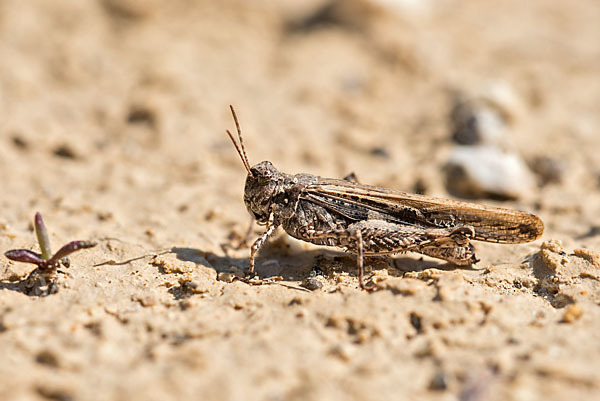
<point>258,244</point>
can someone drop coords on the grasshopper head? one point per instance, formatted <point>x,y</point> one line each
<point>262,184</point>
<point>263,181</point>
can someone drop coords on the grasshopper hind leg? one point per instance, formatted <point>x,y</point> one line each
<point>459,255</point>
<point>456,248</point>
<point>378,237</point>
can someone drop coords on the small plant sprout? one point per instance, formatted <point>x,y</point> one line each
<point>46,261</point>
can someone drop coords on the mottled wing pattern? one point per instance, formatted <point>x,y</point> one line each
<point>359,202</point>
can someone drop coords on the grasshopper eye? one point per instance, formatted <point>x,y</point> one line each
<point>255,172</point>
<point>263,180</point>
<point>262,176</point>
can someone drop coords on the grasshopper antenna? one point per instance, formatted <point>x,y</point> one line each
<point>241,152</point>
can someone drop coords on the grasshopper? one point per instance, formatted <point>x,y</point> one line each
<point>368,220</point>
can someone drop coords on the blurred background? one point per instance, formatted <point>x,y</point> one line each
<point>113,116</point>
<point>443,97</point>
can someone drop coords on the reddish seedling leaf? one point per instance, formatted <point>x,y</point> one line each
<point>46,260</point>
<point>24,255</point>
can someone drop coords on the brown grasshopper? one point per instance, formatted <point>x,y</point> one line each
<point>368,220</point>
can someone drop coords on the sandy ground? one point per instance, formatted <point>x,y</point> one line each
<point>112,125</point>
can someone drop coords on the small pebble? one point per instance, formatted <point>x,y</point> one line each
<point>573,312</point>
<point>485,115</point>
<point>379,151</point>
<point>439,381</point>
<point>415,321</point>
<point>65,151</point>
<point>486,172</point>
<point>48,358</point>
<point>342,351</point>
<point>226,277</point>
<point>475,123</point>
<point>19,142</point>
<point>142,115</point>
<point>312,284</point>
<point>548,170</point>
